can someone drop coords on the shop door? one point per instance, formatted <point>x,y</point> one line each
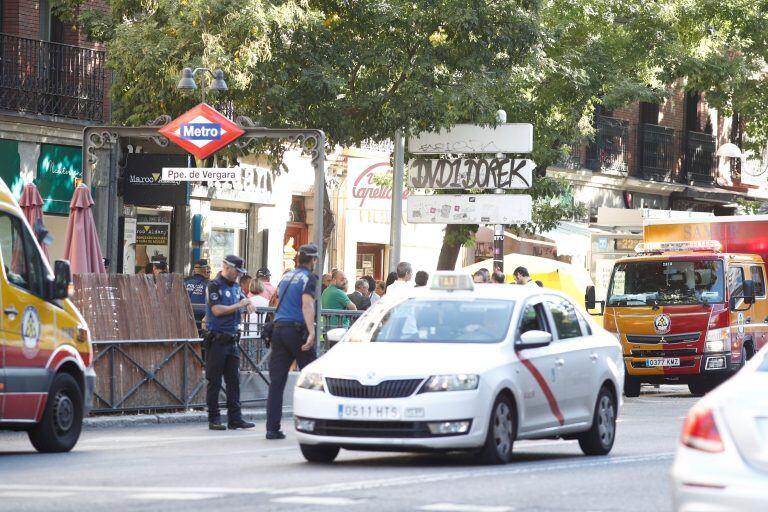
<point>370,261</point>
<point>296,235</point>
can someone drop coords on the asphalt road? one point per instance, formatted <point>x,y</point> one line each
<point>186,467</point>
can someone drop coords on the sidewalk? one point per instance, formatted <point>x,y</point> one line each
<point>134,420</point>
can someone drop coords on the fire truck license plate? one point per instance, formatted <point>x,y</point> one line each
<point>666,361</point>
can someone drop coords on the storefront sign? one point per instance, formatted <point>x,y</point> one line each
<point>468,173</point>
<point>143,184</point>
<point>202,174</point>
<point>470,138</point>
<point>364,186</point>
<point>202,131</point>
<point>470,209</point>
<point>58,173</point>
<point>153,241</point>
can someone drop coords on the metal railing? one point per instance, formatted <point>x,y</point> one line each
<point>657,157</point>
<point>39,77</point>
<point>166,375</point>
<point>608,152</point>
<point>700,159</point>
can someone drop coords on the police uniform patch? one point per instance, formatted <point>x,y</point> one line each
<point>214,296</point>
<point>227,293</point>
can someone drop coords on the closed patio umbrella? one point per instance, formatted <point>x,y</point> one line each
<point>32,205</point>
<point>82,243</point>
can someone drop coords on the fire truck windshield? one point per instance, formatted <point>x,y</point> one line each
<point>659,283</point>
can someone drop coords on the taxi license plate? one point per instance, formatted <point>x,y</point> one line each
<point>666,361</point>
<point>368,412</point>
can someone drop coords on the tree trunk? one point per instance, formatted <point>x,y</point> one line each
<point>449,252</point>
<point>328,221</point>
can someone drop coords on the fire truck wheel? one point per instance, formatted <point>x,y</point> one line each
<point>59,429</point>
<point>631,386</point>
<point>703,386</point>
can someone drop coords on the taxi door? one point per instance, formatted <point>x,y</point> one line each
<point>538,373</point>
<point>27,321</point>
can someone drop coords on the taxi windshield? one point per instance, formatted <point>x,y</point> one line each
<point>421,320</point>
<point>650,283</point>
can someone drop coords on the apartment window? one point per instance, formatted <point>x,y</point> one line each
<point>649,113</point>
<point>51,27</point>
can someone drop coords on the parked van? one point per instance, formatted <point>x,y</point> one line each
<point>46,359</point>
<point>691,307</point>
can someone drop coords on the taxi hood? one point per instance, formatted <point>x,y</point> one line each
<point>385,360</point>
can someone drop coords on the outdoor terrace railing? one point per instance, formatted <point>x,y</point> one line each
<point>657,157</point>
<point>700,158</point>
<point>52,79</point>
<point>608,152</point>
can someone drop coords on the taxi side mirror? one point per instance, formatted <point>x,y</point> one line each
<point>335,335</point>
<point>533,339</point>
<point>62,278</point>
<point>591,303</point>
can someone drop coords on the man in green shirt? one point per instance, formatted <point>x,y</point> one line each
<point>334,297</point>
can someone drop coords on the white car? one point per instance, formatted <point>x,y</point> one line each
<point>462,367</point>
<point>722,459</point>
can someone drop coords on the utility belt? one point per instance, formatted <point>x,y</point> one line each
<point>222,338</point>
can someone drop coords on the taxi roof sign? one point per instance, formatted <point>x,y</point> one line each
<point>452,281</point>
<point>202,131</point>
<point>689,245</point>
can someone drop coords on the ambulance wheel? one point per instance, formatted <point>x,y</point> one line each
<point>62,421</point>
<point>598,440</point>
<point>631,386</point>
<point>323,454</point>
<point>502,430</point>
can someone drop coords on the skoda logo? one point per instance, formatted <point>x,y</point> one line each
<point>662,323</point>
<point>371,375</point>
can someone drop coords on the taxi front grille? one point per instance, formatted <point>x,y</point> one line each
<point>350,388</point>
<point>375,429</point>
<point>668,338</point>
<point>683,352</point>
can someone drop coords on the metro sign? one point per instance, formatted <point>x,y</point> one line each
<point>202,131</point>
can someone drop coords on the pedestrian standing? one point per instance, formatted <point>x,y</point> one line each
<point>196,284</point>
<point>222,317</point>
<point>498,277</point>
<point>361,297</point>
<point>334,297</point>
<point>523,277</point>
<point>264,276</point>
<point>421,279</point>
<point>293,335</point>
<point>245,284</point>
<point>403,282</point>
<point>372,288</point>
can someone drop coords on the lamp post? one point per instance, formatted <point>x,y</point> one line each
<point>217,82</point>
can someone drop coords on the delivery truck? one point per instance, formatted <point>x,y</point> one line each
<point>690,307</point>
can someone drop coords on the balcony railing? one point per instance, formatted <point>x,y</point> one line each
<point>657,146</point>
<point>608,152</point>
<point>700,159</point>
<point>51,79</point>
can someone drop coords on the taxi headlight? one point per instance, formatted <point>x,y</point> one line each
<point>718,340</point>
<point>459,382</point>
<point>309,380</point>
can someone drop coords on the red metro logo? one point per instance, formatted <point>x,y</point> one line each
<point>202,131</point>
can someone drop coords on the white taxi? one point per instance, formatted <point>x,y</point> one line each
<point>458,366</point>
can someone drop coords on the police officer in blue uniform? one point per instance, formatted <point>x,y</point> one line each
<point>222,318</point>
<point>293,336</point>
<point>196,285</point>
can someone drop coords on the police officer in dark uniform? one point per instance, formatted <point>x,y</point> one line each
<point>222,317</point>
<point>196,285</point>
<point>293,336</point>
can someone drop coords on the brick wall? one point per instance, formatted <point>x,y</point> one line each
<point>672,114</point>
<point>22,18</point>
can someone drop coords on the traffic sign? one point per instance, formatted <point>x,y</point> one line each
<point>470,209</point>
<point>202,131</point>
<point>471,138</point>
<point>470,173</point>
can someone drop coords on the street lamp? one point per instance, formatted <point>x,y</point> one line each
<point>187,80</point>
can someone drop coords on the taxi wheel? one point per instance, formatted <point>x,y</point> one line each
<point>502,430</point>
<point>62,421</point>
<point>324,454</point>
<point>598,440</point>
<point>631,386</point>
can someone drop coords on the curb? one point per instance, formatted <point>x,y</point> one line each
<point>136,420</point>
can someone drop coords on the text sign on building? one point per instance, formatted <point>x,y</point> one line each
<point>202,174</point>
<point>470,138</point>
<point>468,173</point>
<point>470,209</point>
<point>202,131</point>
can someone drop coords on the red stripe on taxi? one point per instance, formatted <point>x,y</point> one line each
<point>544,387</point>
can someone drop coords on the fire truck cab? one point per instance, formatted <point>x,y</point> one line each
<point>691,307</point>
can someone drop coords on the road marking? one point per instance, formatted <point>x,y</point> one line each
<point>453,507</point>
<point>35,494</point>
<point>316,500</point>
<point>174,496</point>
<point>445,476</point>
